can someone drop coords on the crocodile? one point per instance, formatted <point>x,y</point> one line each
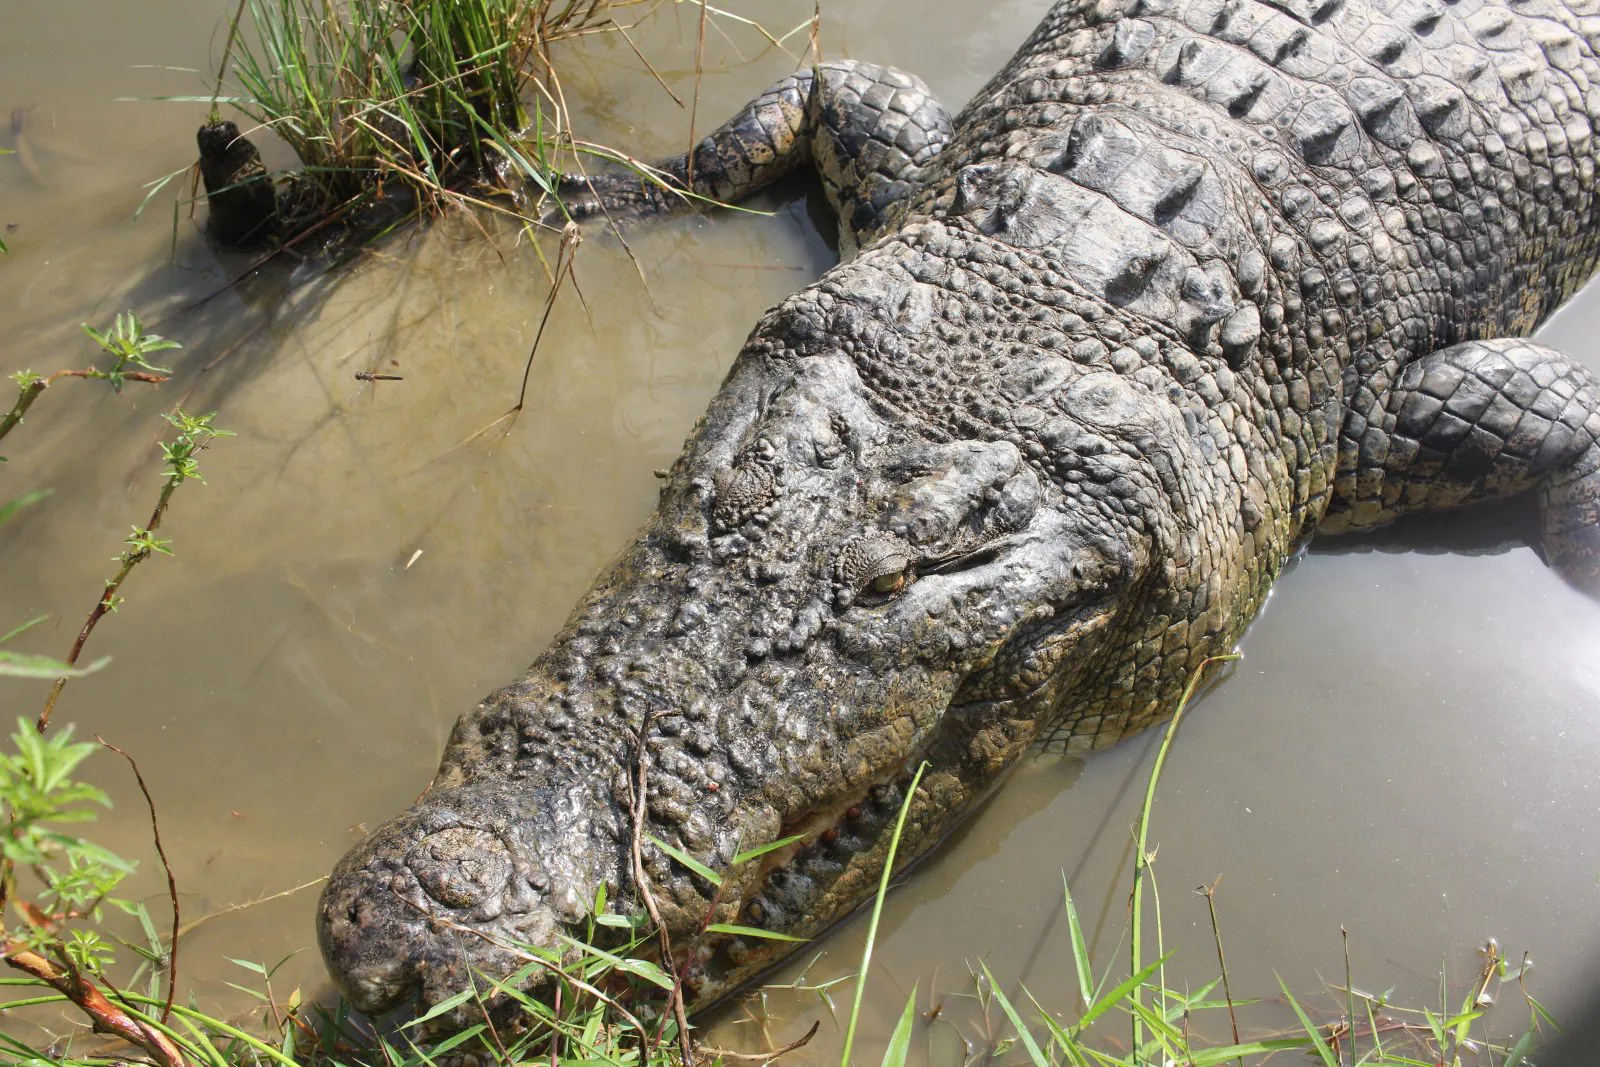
<point>1187,282</point>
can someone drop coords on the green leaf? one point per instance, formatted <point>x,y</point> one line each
<point>28,665</point>
<point>751,931</point>
<point>247,965</point>
<point>1209,1057</point>
<point>456,1039</point>
<point>687,860</point>
<point>1328,1058</point>
<point>1519,1051</point>
<point>11,507</point>
<point>449,1003</point>
<point>747,856</point>
<point>1080,948</point>
<point>1038,1057</point>
<point>1117,994</point>
<point>30,624</point>
<point>643,968</point>
<point>900,1040</point>
<point>1435,1025</point>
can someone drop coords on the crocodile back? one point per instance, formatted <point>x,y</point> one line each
<point>1432,163</point>
<point>1252,213</point>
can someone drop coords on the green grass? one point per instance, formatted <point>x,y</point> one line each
<point>606,1006</point>
<point>421,103</point>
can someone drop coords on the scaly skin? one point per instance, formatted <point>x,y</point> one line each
<point>1186,280</point>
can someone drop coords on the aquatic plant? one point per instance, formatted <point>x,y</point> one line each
<point>400,108</point>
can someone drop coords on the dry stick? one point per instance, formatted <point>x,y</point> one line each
<point>647,65</point>
<point>675,998</point>
<point>1349,993</point>
<point>816,33</point>
<point>192,924</point>
<point>765,1057</point>
<point>694,110</point>
<point>227,51</point>
<point>31,392</point>
<point>1209,892</point>
<point>560,98</point>
<point>130,559</point>
<point>172,883</point>
<point>107,1017</point>
<point>571,236</point>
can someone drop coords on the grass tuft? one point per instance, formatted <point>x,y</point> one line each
<point>397,108</point>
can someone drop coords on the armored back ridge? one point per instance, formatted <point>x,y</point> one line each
<point>1187,282</point>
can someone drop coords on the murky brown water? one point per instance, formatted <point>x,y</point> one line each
<point>1407,751</point>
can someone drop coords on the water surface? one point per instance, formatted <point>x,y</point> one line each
<point>1407,750</point>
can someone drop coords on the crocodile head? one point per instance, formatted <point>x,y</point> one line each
<point>830,592</point>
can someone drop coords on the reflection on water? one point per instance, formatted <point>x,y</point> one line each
<point>1406,751</point>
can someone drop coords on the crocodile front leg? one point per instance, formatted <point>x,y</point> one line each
<point>1473,422</point>
<point>868,131</point>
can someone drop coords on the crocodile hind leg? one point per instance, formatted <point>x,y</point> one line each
<point>866,129</point>
<point>1473,422</point>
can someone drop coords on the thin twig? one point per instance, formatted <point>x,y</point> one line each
<point>222,67</point>
<point>1142,854</point>
<point>189,441</point>
<point>764,1057</point>
<point>192,924</point>
<point>1349,993</point>
<point>172,883</point>
<point>571,237</point>
<point>694,110</point>
<point>642,881</point>
<point>34,389</point>
<point>1210,892</point>
<point>647,65</point>
<point>529,957</point>
<point>104,605</point>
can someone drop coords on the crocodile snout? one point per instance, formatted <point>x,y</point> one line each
<point>434,896</point>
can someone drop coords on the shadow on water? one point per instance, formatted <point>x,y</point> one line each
<point>1486,530</point>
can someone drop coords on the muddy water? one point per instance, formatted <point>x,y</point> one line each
<point>1406,751</point>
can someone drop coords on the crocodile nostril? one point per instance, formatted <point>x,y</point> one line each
<point>461,867</point>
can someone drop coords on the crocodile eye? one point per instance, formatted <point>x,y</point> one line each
<point>889,583</point>
<point>877,564</point>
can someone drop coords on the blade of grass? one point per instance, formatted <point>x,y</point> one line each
<point>900,1040</point>
<point>877,913</point>
<point>1034,1052</point>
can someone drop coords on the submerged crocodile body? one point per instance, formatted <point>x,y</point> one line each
<point>1188,281</point>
